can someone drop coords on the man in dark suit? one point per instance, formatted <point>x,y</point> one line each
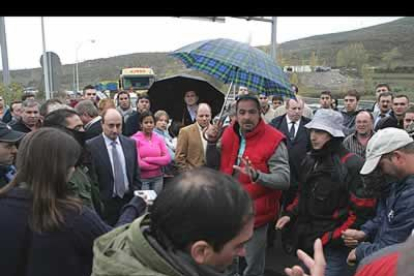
<point>90,118</point>
<point>115,164</point>
<point>298,142</point>
<point>132,125</point>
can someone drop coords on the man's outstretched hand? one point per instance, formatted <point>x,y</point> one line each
<point>316,265</point>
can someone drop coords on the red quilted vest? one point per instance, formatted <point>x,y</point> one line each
<point>261,144</point>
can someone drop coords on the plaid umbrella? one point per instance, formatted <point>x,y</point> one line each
<point>237,63</point>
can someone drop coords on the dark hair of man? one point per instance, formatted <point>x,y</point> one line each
<point>13,103</point>
<point>327,92</point>
<point>144,115</point>
<point>58,117</point>
<point>43,162</point>
<point>123,92</point>
<point>383,85</point>
<point>201,204</point>
<point>386,94</point>
<point>402,96</point>
<point>277,98</point>
<point>27,95</point>
<point>367,112</point>
<point>353,93</point>
<point>144,97</point>
<point>87,88</point>
<point>159,114</point>
<point>248,97</point>
<point>45,106</point>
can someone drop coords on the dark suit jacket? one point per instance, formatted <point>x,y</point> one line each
<point>94,130</point>
<point>298,147</point>
<point>132,125</point>
<point>103,169</point>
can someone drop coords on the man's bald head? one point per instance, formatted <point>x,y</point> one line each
<point>111,123</point>
<point>203,114</point>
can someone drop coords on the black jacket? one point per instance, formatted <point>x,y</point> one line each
<point>331,196</point>
<point>297,151</point>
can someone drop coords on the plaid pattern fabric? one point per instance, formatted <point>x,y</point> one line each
<point>231,61</point>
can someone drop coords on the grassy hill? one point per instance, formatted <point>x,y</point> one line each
<point>376,40</point>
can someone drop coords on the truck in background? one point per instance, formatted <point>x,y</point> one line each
<point>136,81</point>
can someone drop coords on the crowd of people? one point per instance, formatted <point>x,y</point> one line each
<point>338,185</point>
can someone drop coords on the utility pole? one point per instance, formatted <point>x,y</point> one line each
<point>274,38</point>
<point>4,55</point>
<point>45,63</point>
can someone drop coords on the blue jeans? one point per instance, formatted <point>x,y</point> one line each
<point>155,183</point>
<point>336,264</point>
<point>256,252</point>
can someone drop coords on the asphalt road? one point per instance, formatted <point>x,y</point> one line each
<point>277,259</point>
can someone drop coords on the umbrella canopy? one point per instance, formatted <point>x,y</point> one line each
<point>168,94</point>
<point>237,63</point>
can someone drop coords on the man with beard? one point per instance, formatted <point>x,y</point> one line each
<point>390,152</point>
<point>82,184</point>
<point>255,154</point>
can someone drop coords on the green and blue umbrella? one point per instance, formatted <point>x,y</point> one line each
<point>237,63</point>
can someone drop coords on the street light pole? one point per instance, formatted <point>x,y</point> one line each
<point>77,62</point>
<point>45,63</point>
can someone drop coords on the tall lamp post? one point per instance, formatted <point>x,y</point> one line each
<point>77,61</point>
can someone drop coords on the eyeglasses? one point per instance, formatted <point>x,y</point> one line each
<point>408,120</point>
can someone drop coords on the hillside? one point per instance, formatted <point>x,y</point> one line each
<point>376,40</point>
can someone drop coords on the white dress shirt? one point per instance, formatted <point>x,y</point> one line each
<point>296,125</point>
<point>108,143</point>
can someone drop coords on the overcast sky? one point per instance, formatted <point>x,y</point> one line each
<point>68,36</point>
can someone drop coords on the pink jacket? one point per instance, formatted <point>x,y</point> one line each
<point>152,155</point>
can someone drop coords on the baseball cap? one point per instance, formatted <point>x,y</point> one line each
<point>384,141</point>
<point>8,135</point>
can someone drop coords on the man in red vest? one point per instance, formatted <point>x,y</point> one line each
<point>255,154</point>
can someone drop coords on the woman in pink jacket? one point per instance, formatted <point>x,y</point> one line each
<point>152,154</point>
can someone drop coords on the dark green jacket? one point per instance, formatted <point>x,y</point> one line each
<point>82,186</point>
<point>126,252</point>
